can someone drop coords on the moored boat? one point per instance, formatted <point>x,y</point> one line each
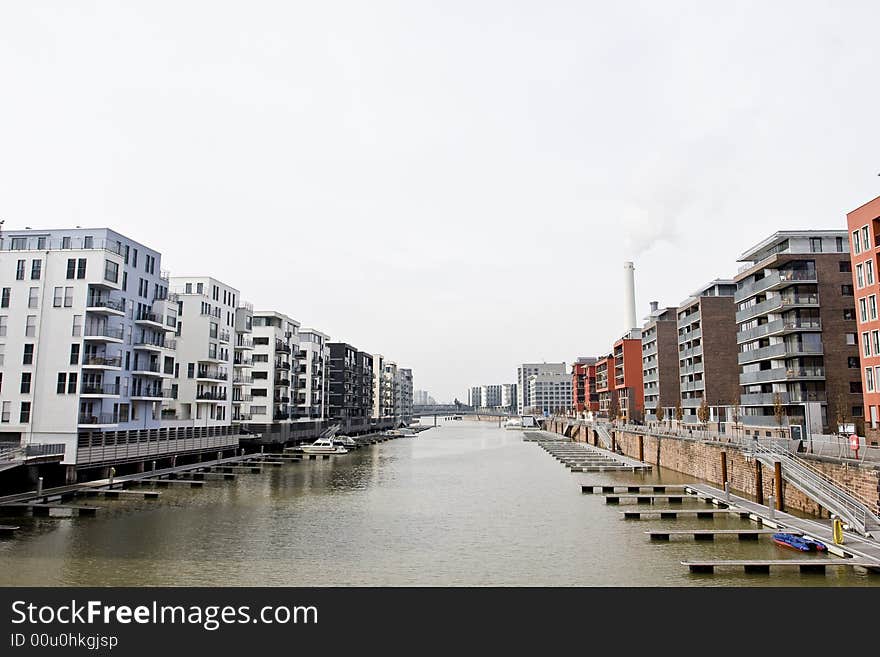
<point>799,543</point>
<point>324,446</point>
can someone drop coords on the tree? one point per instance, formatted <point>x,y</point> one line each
<point>661,414</point>
<point>778,411</point>
<point>703,412</point>
<point>613,408</point>
<point>735,415</point>
<point>679,412</point>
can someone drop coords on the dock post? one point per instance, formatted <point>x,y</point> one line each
<point>111,474</point>
<point>777,480</point>
<point>724,467</point>
<point>219,455</point>
<point>727,491</point>
<point>641,448</point>
<point>759,483</point>
<point>39,486</point>
<point>262,447</point>
<point>154,466</point>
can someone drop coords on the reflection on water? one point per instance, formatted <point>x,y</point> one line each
<point>464,504</point>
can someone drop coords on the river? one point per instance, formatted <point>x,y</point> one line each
<point>465,504</point>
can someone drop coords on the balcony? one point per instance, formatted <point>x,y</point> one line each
<point>781,374</point>
<point>689,319</point>
<point>239,380</point>
<point>690,335</point>
<point>242,399</point>
<point>105,306</point>
<point>244,343</point>
<point>778,326</point>
<point>145,344</point>
<point>209,374</point>
<point>243,362</point>
<point>149,319</point>
<point>690,353</point>
<point>242,417</point>
<point>103,362</point>
<point>97,333</point>
<point>211,396</point>
<point>149,369</point>
<point>691,386</point>
<point>279,417</point>
<point>694,368</point>
<point>282,365</point>
<point>212,359</point>
<point>95,420</point>
<point>775,304</point>
<point>224,336</point>
<point>150,393</point>
<point>99,389</point>
<point>281,399</point>
<point>281,348</point>
<point>282,381</point>
<point>780,350</point>
<point>751,289</point>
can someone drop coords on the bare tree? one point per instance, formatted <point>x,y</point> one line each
<point>735,415</point>
<point>679,413</point>
<point>661,414</point>
<point>778,412</point>
<point>703,413</point>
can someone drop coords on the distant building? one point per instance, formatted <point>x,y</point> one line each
<point>526,370</point>
<point>475,398</point>
<point>508,397</point>
<point>490,396</point>
<point>660,370</point>
<point>549,393</point>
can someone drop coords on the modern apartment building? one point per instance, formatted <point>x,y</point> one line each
<point>390,389</point>
<point>797,335</point>
<point>707,364</point>
<point>490,396</point>
<point>475,396</point>
<point>203,377</point>
<point>351,390</point>
<point>312,383</point>
<point>628,385</point>
<point>405,415</point>
<point>378,373</point>
<point>549,393</point>
<point>508,397</point>
<point>85,317</point>
<point>242,363</point>
<point>583,385</point>
<point>276,344</point>
<point>605,387</point>
<point>864,231</point>
<point>423,398</point>
<point>660,367</point>
<point>526,370</point>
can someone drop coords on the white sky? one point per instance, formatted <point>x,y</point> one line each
<point>454,185</point>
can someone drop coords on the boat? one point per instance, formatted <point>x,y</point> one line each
<point>513,424</point>
<point>346,441</point>
<point>406,431</point>
<point>799,543</point>
<point>324,446</point>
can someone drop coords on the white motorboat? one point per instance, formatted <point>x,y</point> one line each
<point>345,441</point>
<point>513,424</point>
<point>324,446</point>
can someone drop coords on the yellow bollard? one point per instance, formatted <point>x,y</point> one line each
<point>837,531</point>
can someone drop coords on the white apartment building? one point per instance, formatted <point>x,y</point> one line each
<point>312,380</point>
<point>242,363</point>
<point>508,397</point>
<point>390,390</point>
<point>378,371</point>
<point>490,396</point>
<point>205,335</point>
<point>549,392</point>
<point>526,370</point>
<point>276,343</point>
<point>86,360</point>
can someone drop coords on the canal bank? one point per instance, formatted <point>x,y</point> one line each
<point>710,460</point>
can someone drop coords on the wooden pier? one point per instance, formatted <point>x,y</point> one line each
<point>680,513</point>
<point>166,483</point>
<point>817,565</point>
<point>710,534</point>
<point>609,488</point>
<point>112,493</point>
<point>645,498</point>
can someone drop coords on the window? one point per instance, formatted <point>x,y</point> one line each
<point>849,313</point>
<point>863,309</point>
<point>68,297</point>
<point>2,354</point>
<point>872,307</point>
<point>24,414</point>
<point>30,327</point>
<point>852,362</point>
<point>81,268</point>
<point>875,339</point>
<point>134,258</point>
<point>855,386</point>
<point>71,268</point>
<point>839,244</point>
<point>33,297</point>
<point>846,290</point>
<point>190,370</point>
<point>19,270</point>
<point>860,276</point>
<point>25,383</point>
<point>851,338</point>
<point>866,245</point>
<point>111,271</point>
<point>3,320</point>
<point>74,354</point>
<point>71,383</point>
<point>200,288</point>
<point>6,411</point>
<point>4,299</point>
<point>65,242</point>
<point>36,269</point>
<point>869,272</point>
<point>77,326</point>
<point>858,411</point>
<point>857,247</point>
<point>56,297</point>
<point>816,245</point>
<point>61,386</point>
<point>88,242</point>
<point>27,357</point>
<point>845,266</point>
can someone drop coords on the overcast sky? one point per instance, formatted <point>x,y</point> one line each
<point>452,184</point>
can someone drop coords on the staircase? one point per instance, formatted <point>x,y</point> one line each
<point>11,457</point>
<point>604,434</point>
<point>844,504</point>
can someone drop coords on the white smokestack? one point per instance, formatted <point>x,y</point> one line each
<point>629,295</point>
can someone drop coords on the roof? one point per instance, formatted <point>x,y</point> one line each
<point>753,253</point>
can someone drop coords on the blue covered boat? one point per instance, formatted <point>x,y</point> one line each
<point>799,543</point>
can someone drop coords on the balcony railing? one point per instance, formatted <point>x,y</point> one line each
<point>781,374</point>
<point>103,361</point>
<point>243,380</point>
<point>280,416</point>
<point>145,316</point>
<point>102,332</point>
<point>205,373</point>
<point>153,392</point>
<point>243,362</point>
<point>242,398</point>
<point>211,396</point>
<point>99,388</point>
<point>244,343</point>
<point>281,348</point>
<point>146,367</point>
<point>777,351</point>
<point>281,381</point>
<point>224,336</point>
<point>106,303</point>
<point>98,418</point>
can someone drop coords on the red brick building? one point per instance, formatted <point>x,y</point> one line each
<point>628,383</point>
<point>583,385</point>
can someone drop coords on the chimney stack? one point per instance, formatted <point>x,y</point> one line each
<point>654,306</point>
<point>629,295</point>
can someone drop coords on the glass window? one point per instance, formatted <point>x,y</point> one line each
<point>857,247</point>
<point>68,297</point>
<point>816,244</point>
<point>77,325</point>
<point>851,338</point>
<point>869,379</point>
<point>71,268</point>
<point>860,276</point>
<point>869,272</point>
<point>88,242</point>
<point>61,386</point>
<point>36,269</point>
<point>839,244</point>
<point>846,290</point>
<point>74,354</point>
<point>872,306</point>
<point>25,383</point>
<point>4,298</point>
<point>866,343</point>
<point>30,327</point>
<point>27,357</point>
<point>33,297</point>
<point>111,271</point>
<point>56,297</point>
<point>81,268</point>
<point>25,413</point>
<point>3,320</point>
<point>19,270</point>
<point>866,245</point>
<point>65,242</point>
<point>863,309</point>
<point>849,313</point>
<point>71,383</point>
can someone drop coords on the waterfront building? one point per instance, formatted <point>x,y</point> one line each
<point>583,385</point>
<point>628,385</point>
<point>312,383</point>
<point>707,351</point>
<point>549,393</point>
<point>660,365</point>
<point>202,382</point>
<point>864,237</point>
<point>605,387</point>
<point>475,397</point>
<point>378,373</point>
<point>797,330</point>
<point>351,403</point>
<point>242,363</point>
<point>490,396</point>
<point>423,398</point>
<point>508,397</point>
<point>276,343</point>
<point>406,395</point>
<point>526,370</point>
<point>85,319</point>
<point>390,390</point>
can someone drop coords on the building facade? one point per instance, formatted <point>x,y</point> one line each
<point>275,345</point>
<point>864,236</point>
<point>312,383</point>
<point>628,385</point>
<point>527,370</point>
<point>549,393</point>
<point>490,396</point>
<point>406,395</point>
<point>798,336</point>
<point>660,367</point>
<point>508,397</point>
<point>584,397</point>
<point>351,389</point>
<point>707,351</point>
